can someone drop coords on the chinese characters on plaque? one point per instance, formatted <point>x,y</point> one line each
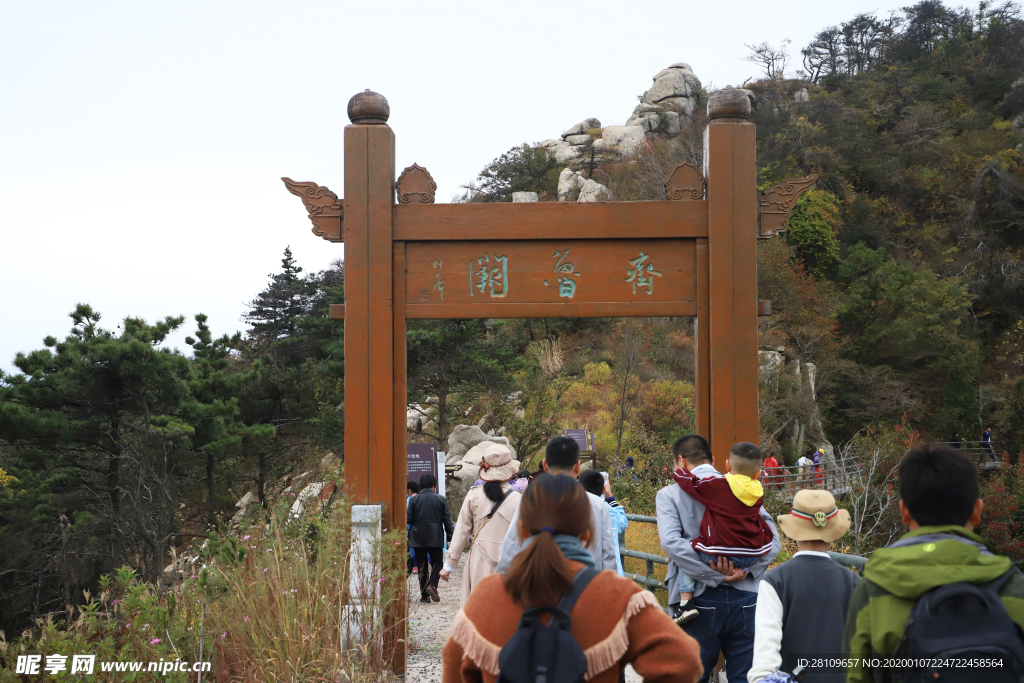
<point>566,285</point>
<point>641,275</point>
<point>491,276</point>
<point>489,273</point>
<point>439,284</point>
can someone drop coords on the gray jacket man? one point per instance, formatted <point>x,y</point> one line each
<point>602,547</point>
<point>725,605</point>
<point>679,517</point>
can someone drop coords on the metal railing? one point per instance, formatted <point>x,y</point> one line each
<point>832,476</point>
<point>854,561</point>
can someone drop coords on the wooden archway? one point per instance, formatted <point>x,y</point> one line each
<point>693,254</point>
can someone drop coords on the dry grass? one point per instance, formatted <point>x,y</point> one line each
<point>270,605</point>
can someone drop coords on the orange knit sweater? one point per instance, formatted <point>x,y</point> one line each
<point>615,622</point>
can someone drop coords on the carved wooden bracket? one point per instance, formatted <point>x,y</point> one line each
<point>685,183</point>
<point>325,209</point>
<point>415,186</point>
<point>775,206</point>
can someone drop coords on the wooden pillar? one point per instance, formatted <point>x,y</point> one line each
<point>370,378</point>
<point>729,159</point>
<point>375,362</point>
<point>700,333</point>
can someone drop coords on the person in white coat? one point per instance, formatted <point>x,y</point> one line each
<point>562,458</point>
<point>485,517</point>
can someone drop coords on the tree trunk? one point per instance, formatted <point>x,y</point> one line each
<point>261,480</point>
<point>211,505</point>
<point>442,418</point>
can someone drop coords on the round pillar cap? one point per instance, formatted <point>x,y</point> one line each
<point>729,103</point>
<point>368,107</point>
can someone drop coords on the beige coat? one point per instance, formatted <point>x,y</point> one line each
<point>483,555</point>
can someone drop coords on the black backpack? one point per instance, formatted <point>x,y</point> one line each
<point>962,621</point>
<point>546,654</point>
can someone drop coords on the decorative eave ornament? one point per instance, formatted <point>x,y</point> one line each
<point>775,206</point>
<point>325,209</point>
<point>415,186</point>
<point>685,183</point>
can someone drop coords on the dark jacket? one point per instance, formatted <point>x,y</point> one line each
<point>429,521</point>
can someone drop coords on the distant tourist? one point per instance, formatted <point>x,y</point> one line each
<point>484,519</point>
<point>595,483</point>
<point>942,575</point>
<point>562,457</point>
<point>803,468</point>
<point>956,442</point>
<point>429,524</point>
<point>411,489</point>
<point>724,597</point>
<point>801,604</point>
<point>521,481</point>
<point>770,467</point>
<point>986,442</point>
<point>614,622</point>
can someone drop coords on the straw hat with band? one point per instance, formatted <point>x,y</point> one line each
<point>498,463</point>
<point>815,517</point>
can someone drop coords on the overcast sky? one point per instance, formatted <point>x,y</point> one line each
<point>141,143</point>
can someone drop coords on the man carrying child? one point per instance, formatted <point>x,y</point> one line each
<point>732,526</point>
<point>713,599</point>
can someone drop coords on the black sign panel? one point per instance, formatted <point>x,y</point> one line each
<point>421,459</point>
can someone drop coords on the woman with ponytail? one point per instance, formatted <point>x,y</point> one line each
<point>614,621</point>
<point>484,518</point>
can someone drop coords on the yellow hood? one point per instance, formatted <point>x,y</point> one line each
<point>748,490</point>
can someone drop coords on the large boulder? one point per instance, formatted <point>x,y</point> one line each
<point>567,154</point>
<point>685,106</point>
<point>569,184</point>
<point>593,191</point>
<point>582,127</point>
<point>670,123</point>
<point>623,139</point>
<point>676,81</point>
<point>581,139</point>
<point>463,438</point>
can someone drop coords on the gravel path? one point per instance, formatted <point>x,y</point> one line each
<point>428,629</point>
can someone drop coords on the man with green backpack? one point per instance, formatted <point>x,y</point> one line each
<point>938,604</point>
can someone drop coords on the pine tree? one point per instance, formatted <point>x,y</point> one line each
<point>95,435</point>
<point>276,310</point>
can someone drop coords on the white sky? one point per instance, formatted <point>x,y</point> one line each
<point>141,144</point>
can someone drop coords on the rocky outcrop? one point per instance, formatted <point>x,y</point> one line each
<point>593,191</point>
<point>582,127</point>
<point>624,139</point>
<point>664,109</point>
<point>572,186</point>
<point>569,184</point>
<point>676,91</point>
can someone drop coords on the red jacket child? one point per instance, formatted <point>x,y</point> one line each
<point>732,522</point>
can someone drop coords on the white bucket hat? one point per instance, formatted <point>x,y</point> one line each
<point>498,463</point>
